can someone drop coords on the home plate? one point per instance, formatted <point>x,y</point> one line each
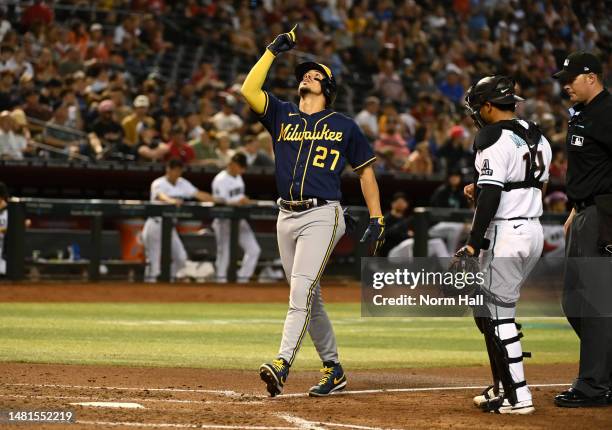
<point>127,405</point>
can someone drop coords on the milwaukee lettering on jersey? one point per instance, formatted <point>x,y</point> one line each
<point>312,150</point>
<point>290,132</point>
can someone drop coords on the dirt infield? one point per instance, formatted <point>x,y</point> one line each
<point>200,398</point>
<point>167,293</point>
<point>182,398</point>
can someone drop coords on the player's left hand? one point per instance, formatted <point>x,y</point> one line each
<point>350,221</point>
<point>375,233</point>
<point>464,261</point>
<point>283,42</point>
<point>468,192</point>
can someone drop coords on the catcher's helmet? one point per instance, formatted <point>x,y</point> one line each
<point>497,90</point>
<point>328,83</point>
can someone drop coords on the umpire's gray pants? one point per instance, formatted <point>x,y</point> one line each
<point>305,241</point>
<point>587,302</point>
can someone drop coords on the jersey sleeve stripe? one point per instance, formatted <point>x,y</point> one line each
<point>362,165</point>
<point>490,182</point>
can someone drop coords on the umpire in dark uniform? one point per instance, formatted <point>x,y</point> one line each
<point>587,297</point>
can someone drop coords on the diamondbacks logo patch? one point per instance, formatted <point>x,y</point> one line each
<point>486,170</point>
<point>577,140</point>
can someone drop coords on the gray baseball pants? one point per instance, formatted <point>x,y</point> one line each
<point>305,241</point>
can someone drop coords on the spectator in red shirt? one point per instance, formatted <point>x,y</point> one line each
<point>558,166</point>
<point>391,140</point>
<point>38,13</point>
<point>178,147</point>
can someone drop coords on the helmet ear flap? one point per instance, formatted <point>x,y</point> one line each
<point>328,88</point>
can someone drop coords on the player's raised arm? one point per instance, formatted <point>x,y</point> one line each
<point>251,88</point>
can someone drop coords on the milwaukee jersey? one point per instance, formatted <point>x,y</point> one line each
<point>227,187</point>
<point>508,160</point>
<point>183,189</point>
<point>311,151</point>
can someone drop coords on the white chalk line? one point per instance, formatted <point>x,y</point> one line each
<point>180,426</point>
<point>225,393</point>
<point>412,390</point>
<point>235,394</point>
<point>135,399</point>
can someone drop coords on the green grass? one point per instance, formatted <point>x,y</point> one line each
<point>241,336</point>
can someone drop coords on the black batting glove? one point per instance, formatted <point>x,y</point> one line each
<point>375,233</point>
<point>349,221</point>
<point>283,42</point>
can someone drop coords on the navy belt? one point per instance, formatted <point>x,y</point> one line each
<point>301,205</point>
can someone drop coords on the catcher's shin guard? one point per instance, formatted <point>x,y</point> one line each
<point>503,337</point>
<point>493,390</point>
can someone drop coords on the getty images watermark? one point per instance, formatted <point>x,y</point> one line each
<point>437,288</point>
<point>418,287</point>
<point>425,287</point>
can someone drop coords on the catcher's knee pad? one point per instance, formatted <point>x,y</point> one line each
<point>501,335</point>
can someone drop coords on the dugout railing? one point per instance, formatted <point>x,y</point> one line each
<point>97,210</point>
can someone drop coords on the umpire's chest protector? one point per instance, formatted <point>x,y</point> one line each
<point>311,151</point>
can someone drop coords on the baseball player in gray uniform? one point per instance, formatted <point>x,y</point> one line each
<point>228,188</point>
<point>174,189</point>
<point>512,159</point>
<point>312,145</point>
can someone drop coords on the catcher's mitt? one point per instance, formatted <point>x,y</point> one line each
<point>465,261</point>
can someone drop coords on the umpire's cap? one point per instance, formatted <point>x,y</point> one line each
<point>578,63</point>
<point>328,83</point>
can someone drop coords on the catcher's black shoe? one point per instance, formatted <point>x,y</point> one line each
<point>274,375</point>
<point>333,380</point>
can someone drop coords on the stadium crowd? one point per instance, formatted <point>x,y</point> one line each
<point>83,79</point>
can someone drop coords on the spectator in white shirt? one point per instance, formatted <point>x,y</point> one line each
<point>11,147</point>
<point>226,120</point>
<point>367,119</point>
